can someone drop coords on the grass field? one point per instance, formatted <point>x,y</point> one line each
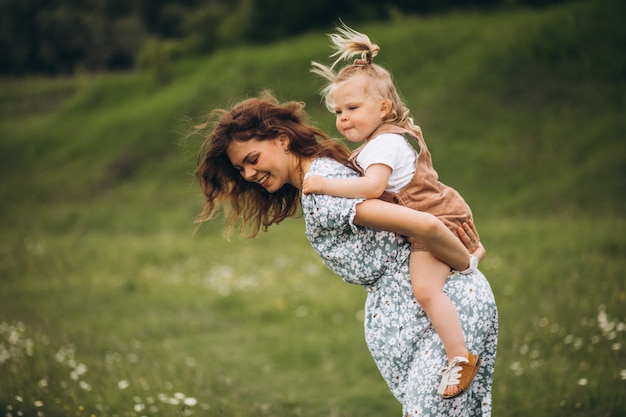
<point>156,323</point>
<point>111,306</point>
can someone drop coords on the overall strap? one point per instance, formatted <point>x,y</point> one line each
<point>389,128</point>
<point>352,160</point>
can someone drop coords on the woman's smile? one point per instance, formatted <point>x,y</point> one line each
<point>263,181</point>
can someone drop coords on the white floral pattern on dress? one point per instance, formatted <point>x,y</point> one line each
<point>403,343</point>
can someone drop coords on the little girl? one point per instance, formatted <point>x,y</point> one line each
<point>369,109</point>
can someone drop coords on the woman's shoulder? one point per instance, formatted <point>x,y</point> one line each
<point>328,167</point>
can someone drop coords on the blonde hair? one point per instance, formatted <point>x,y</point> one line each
<point>349,44</point>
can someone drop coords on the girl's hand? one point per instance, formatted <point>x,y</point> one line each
<point>313,184</point>
<point>469,236</point>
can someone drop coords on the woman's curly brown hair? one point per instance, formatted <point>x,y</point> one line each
<point>241,201</point>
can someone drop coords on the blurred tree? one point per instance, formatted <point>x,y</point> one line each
<point>59,36</point>
<point>165,17</point>
<point>52,37</point>
<point>267,24</point>
<point>213,24</point>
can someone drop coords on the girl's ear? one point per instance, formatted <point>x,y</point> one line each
<point>385,107</point>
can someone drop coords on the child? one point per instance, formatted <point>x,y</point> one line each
<point>369,109</point>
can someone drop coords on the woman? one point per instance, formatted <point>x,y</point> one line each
<point>252,165</point>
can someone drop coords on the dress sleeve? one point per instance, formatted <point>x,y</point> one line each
<point>359,255</point>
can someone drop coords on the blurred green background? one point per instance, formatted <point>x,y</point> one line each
<point>110,305</point>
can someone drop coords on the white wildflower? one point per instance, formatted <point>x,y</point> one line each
<point>190,401</point>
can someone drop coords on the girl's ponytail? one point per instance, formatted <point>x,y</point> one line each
<point>348,43</point>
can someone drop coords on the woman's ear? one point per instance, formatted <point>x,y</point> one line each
<point>284,142</point>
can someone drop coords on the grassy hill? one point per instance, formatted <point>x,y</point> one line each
<point>110,307</point>
<point>523,110</point>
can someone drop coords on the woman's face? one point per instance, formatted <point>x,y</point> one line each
<point>264,162</point>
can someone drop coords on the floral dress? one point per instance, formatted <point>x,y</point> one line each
<point>403,343</point>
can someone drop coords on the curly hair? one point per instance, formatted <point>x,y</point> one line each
<point>243,202</point>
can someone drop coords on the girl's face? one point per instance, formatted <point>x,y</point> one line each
<point>264,162</point>
<point>358,113</point>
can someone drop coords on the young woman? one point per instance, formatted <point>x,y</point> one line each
<point>252,166</point>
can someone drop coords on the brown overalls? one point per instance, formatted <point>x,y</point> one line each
<point>424,192</point>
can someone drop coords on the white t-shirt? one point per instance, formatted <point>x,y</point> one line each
<point>393,150</point>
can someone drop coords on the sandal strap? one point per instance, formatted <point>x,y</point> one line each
<point>459,372</point>
<point>451,374</point>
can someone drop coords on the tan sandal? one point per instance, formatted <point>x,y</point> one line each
<point>460,373</point>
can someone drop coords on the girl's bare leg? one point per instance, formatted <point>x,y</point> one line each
<point>428,275</point>
<point>425,227</point>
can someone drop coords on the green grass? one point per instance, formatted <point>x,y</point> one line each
<point>111,306</point>
<point>262,328</point>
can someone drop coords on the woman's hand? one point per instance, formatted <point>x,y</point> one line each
<point>469,236</point>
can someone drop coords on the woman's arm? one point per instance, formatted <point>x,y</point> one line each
<point>425,227</point>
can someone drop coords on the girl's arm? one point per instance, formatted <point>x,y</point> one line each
<point>371,185</point>
<point>425,227</point>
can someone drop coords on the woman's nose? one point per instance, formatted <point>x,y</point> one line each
<point>249,173</point>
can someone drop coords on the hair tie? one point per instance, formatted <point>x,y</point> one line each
<point>366,59</point>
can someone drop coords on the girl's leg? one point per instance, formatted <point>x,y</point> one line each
<point>428,275</point>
